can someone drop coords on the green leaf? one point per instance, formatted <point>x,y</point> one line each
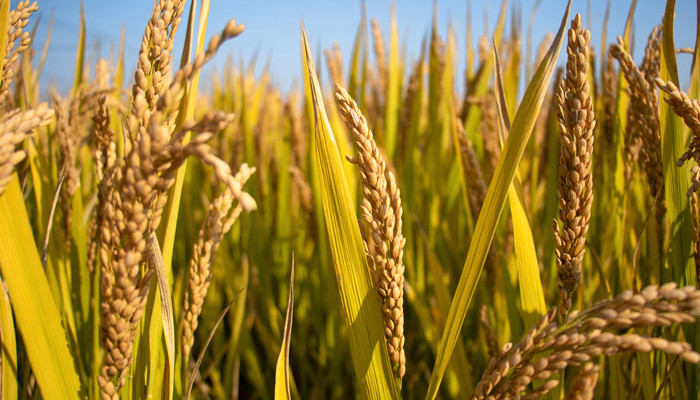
<point>80,51</point>
<point>393,95</point>
<point>167,229</point>
<point>673,132</point>
<point>9,347</point>
<point>479,86</point>
<point>354,79</point>
<point>619,188</point>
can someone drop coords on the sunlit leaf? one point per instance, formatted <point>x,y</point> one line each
<point>513,150</point>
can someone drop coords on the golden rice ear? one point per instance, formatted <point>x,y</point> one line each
<point>585,383</point>
<point>220,216</point>
<point>381,213</point>
<point>576,122</point>
<point>15,39</point>
<point>582,337</point>
<point>644,118</point>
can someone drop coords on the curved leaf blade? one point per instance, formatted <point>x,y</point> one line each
<point>673,131</point>
<point>532,303</point>
<point>9,348</point>
<point>358,297</point>
<point>35,311</point>
<point>493,205</point>
<point>282,369</point>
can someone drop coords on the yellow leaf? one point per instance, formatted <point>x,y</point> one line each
<point>493,206</point>
<point>358,297</point>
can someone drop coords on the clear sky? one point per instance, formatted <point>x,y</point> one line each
<point>273,29</point>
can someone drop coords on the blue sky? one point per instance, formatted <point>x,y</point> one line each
<point>273,29</point>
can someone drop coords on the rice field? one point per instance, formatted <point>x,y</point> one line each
<point>377,233</point>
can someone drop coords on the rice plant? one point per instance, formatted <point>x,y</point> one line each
<point>382,235</point>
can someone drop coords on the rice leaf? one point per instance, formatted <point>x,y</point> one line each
<point>676,178</point>
<point>80,278</point>
<point>393,95</point>
<point>356,59</point>
<point>604,37</point>
<point>532,302</point>
<point>469,43</point>
<point>694,91</point>
<point>45,249</point>
<point>166,232</point>
<point>45,50</point>
<point>493,205</point>
<point>357,295</point>
<point>36,313</point>
<point>282,369</point>
<point>166,307</point>
<point>9,347</point>
<point>479,85</point>
<point>80,51</point>
<point>680,253</point>
<point>118,83</point>
<point>528,40</point>
<point>531,295</point>
<point>619,186</point>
